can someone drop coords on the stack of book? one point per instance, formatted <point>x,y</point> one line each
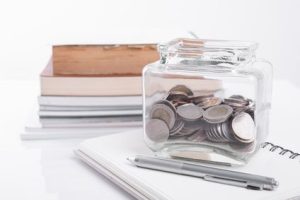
<point>88,90</point>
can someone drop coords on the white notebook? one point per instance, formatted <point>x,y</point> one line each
<point>90,101</point>
<point>108,155</point>
<point>57,128</point>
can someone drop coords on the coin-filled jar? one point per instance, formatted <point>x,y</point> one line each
<point>207,100</point>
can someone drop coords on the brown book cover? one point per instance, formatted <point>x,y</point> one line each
<point>79,85</point>
<point>75,85</point>
<point>103,60</point>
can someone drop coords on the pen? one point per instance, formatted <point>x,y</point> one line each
<point>240,179</point>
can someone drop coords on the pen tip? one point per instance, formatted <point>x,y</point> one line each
<point>131,159</point>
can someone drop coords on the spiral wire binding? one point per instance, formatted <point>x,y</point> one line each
<point>282,152</point>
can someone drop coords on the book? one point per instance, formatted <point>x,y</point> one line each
<point>77,127</point>
<point>86,122</point>
<point>76,85</point>
<point>87,108</point>
<point>87,101</point>
<point>103,60</point>
<point>68,133</point>
<point>108,156</point>
<point>90,113</point>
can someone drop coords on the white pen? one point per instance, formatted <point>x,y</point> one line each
<point>249,181</point>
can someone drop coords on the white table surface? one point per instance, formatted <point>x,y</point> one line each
<point>48,169</point>
<point>38,170</point>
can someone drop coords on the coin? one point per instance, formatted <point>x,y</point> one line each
<point>163,112</point>
<point>182,88</point>
<point>179,124</point>
<point>234,102</point>
<point>227,132</point>
<point>199,98</point>
<point>197,124</point>
<point>211,136</point>
<point>209,102</point>
<point>216,134</point>
<point>243,128</point>
<point>198,136</point>
<point>157,130</point>
<point>177,96</point>
<point>240,109</point>
<point>177,103</point>
<point>221,133</point>
<point>190,112</point>
<point>180,116</point>
<point>186,131</point>
<point>167,103</point>
<point>217,114</point>
<point>237,96</point>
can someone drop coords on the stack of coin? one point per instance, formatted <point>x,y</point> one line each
<point>240,104</point>
<point>177,128</point>
<point>198,118</point>
<point>219,133</point>
<point>242,130</point>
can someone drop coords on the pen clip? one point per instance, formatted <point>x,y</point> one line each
<point>234,182</point>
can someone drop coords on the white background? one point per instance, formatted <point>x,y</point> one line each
<point>28,28</point>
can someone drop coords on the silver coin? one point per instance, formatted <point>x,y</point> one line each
<point>190,112</point>
<point>163,112</point>
<point>182,88</point>
<point>243,128</point>
<point>237,96</point>
<point>186,131</point>
<point>204,93</point>
<point>240,109</point>
<point>198,99</point>
<point>177,103</point>
<point>236,102</point>
<point>198,124</point>
<point>211,134</point>
<point>227,133</point>
<point>222,134</point>
<point>179,124</point>
<point>167,103</point>
<point>212,137</point>
<point>198,136</point>
<point>217,114</point>
<point>215,133</point>
<point>157,130</point>
<point>177,96</point>
<point>209,102</point>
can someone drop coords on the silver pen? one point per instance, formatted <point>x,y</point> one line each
<point>240,179</point>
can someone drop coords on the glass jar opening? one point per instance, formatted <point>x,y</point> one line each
<point>208,52</point>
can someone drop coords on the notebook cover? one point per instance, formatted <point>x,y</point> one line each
<point>111,152</point>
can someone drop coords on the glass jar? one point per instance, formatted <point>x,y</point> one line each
<point>207,100</point>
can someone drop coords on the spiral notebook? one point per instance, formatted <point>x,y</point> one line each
<point>108,155</point>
